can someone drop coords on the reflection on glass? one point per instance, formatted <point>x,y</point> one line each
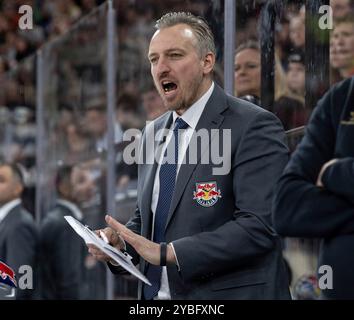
<point>75,149</point>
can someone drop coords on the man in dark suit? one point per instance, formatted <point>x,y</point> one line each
<point>203,233</point>
<point>315,195</point>
<point>18,232</point>
<point>62,252</point>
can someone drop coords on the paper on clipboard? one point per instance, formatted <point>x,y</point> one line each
<point>123,259</point>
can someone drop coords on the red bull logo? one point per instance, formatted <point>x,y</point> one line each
<point>206,193</point>
<point>7,275</point>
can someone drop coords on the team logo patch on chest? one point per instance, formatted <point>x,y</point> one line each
<point>206,194</point>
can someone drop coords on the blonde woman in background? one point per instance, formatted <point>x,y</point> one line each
<point>288,106</point>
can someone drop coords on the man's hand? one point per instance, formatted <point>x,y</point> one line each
<point>149,250</point>
<point>323,169</point>
<point>113,239</point>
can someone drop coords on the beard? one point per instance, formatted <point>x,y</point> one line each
<point>186,97</point>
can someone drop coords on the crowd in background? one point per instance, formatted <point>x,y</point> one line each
<point>77,130</point>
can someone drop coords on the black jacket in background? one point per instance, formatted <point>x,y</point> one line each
<point>19,246</point>
<point>303,210</point>
<point>62,258</point>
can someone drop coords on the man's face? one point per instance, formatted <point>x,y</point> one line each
<point>10,187</point>
<point>296,77</point>
<point>83,185</point>
<point>248,73</point>
<point>343,44</point>
<point>179,73</point>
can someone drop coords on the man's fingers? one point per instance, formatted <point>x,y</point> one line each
<point>126,234</point>
<point>93,250</point>
<point>98,254</point>
<point>114,224</point>
<point>109,232</point>
<point>120,228</point>
<point>111,235</point>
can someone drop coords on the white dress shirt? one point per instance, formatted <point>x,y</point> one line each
<point>191,116</point>
<point>7,207</point>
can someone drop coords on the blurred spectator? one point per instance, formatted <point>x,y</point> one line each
<point>51,18</point>
<point>334,63</point>
<point>88,191</point>
<point>128,113</point>
<point>87,6</point>
<point>342,47</point>
<point>296,74</point>
<point>84,185</point>
<point>287,106</point>
<point>283,44</point>
<point>130,117</point>
<point>18,232</point>
<point>65,116</point>
<point>71,138</point>
<point>152,102</point>
<point>63,253</point>
<point>297,32</point>
<point>290,111</point>
<point>95,122</point>
<point>340,8</point>
<point>78,146</point>
<point>248,70</point>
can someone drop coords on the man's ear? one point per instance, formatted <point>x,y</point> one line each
<point>208,63</point>
<point>18,189</point>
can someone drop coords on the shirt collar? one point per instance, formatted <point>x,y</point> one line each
<point>72,207</point>
<point>192,115</point>
<point>6,208</point>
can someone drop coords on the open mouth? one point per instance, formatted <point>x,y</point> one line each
<point>168,86</point>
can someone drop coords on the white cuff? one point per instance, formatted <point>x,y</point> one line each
<point>174,252</point>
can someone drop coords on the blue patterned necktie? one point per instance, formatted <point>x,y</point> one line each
<point>168,172</point>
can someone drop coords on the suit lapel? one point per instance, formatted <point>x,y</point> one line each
<point>211,118</point>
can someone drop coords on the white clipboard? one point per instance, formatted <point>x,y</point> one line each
<point>122,258</point>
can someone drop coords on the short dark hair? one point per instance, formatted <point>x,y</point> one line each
<point>17,171</point>
<point>201,29</point>
<point>63,175</point>
<point>127,101</point>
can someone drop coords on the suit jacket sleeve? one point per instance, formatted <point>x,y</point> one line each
<point>256,164</point>
<point>339,178</point>
<point>301,209</point>
<point>21,248</point>
<point>134,224</point>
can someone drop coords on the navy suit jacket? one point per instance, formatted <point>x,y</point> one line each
<point>301,209</point>
<point>227,250</point>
